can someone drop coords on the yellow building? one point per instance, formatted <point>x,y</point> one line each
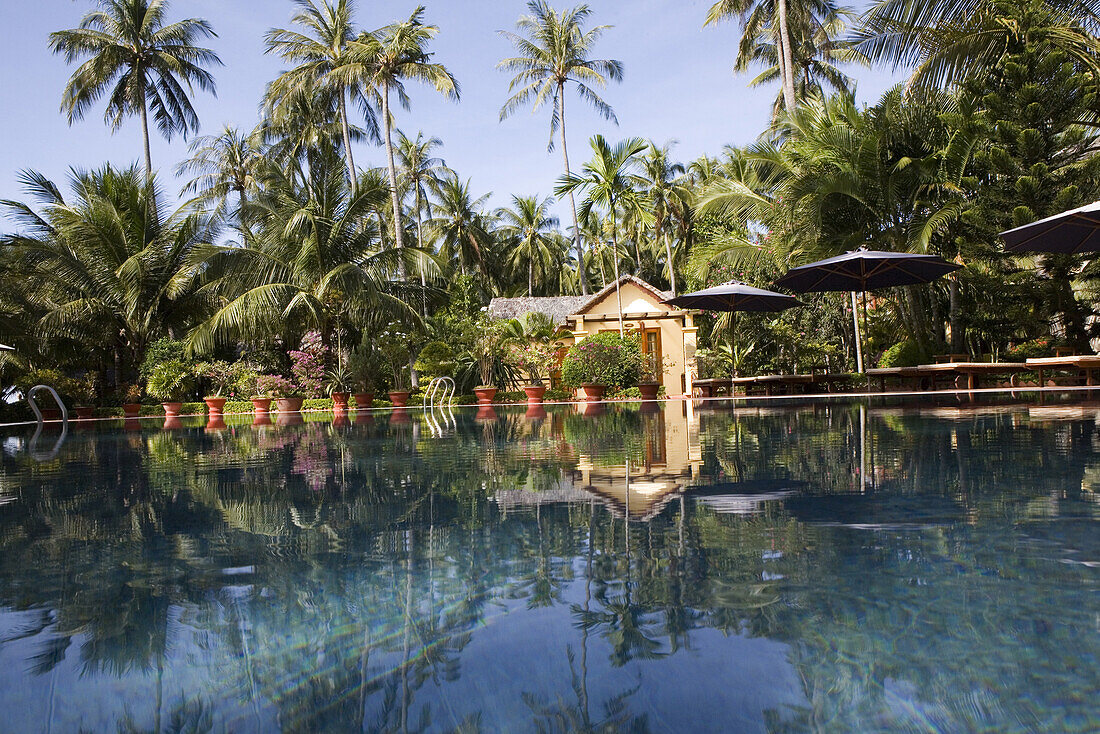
<point>667,333</point>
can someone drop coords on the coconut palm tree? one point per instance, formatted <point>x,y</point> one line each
<point>225,165</point>
<point>110,274</point>
<point>610,181</point>
<point>554,50</point>
<point>422,173</point>
<point>530,225</point>
<point>138,62</point>
<point>397,53</point>
<point>781,20</point>
<point>460,227</point>
<point>321,50</point>
<point>316,262</point>
<point>667,195</point>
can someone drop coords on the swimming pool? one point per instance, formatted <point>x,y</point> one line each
<point>829,566</point>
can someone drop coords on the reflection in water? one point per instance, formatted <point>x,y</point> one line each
<point>817,568</point>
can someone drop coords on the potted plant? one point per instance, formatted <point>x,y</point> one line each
<point>535,360</point>
<point>394,347</point>
<point>220,374</point>
<point>337,382</point>
<point>649,383</point>
<point>604,360</point>
<point>83,391</point>
<point>131,400</point>
<point>487,348</point>
<point>363,365</point>
<point>168,382</point>
<point>287,399</point>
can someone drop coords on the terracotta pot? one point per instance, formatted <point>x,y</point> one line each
<point>486,413</point>
<point>51,414</point>
<point>131,424</point>
<point>592,408</point>
<point>215,406</point>
<point>485,395</point>
<point>535,393</point>
<point>215,423</point>
<point>535,411</point>
<point>172,409</point>
<point>340,400</point>
<point>289,418</point>
<point>592,391</point>
<point>363,418</point>
<point>172,422</point>
<point>399,416</point>
<point>84,412</point>
<point>363,400</point>
<point>289,405</point>
<point>399,398</point>
<point>649,390</point>
<point>261,405</point>
<point>131,410</point>
<point>261,418</point>
<point>340,418</point>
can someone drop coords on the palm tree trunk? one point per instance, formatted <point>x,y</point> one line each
<point>387,123</point>
<point>145,139</point>
<point>615,259</point>
<point>671,270</point>
<point>420,256</point>
<point>572,199</point>
<point>786,63</point>
<point>530,275</point>
<point>346,131</point>
<point>958,338</point>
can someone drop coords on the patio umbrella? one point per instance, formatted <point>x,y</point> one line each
<point>862,270</point>
<point>732,297</point>
<point>1077,230</point>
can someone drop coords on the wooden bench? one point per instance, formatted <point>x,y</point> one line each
<point>965,375</point>
<point>1083,364</point>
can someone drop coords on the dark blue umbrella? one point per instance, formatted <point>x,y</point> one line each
<point>1077,230</point>
<point>863,270</point>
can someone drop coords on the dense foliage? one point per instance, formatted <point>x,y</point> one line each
<point>606,359</point>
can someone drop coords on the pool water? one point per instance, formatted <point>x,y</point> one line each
<point>824,567</point>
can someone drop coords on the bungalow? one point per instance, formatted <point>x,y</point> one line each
<point>667,333</point>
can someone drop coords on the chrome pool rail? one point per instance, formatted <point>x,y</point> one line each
<point>41,456</point>
<point>57,399</point>
<point>441,389</point>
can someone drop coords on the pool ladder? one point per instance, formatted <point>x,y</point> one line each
<point>440,397</point>
<point>32,446</point>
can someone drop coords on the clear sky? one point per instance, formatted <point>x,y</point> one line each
<point>678,85</point>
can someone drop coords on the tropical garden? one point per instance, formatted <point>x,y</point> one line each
<point>289,266</point>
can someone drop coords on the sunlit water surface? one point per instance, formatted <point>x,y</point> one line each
<point>806,568</point>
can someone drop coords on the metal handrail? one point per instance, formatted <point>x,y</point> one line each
<point>442,388</point>
<point>31,447</point>
<point>56,397</point>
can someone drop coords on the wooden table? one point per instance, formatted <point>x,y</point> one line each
<point>968,372</point>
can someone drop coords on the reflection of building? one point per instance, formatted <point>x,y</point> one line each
<point>667,334</point>
<point>638,487</point>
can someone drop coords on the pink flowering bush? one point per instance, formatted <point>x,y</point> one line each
<point>307,364</point>
<point>275,386</point>
<point>603,359</point>
<point>536,360</point>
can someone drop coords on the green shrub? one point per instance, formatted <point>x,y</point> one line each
<point>162,350</point>
<point>436,359</point>
<point>903,354</point>
<point>170,380</point>
<point>1031,349</point>
<point>603,359</point>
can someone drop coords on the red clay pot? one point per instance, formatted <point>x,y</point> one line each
<point>289,405</point>
<point>261,418</point>
<point>261,405</point>
<point>172,422</point>
<point>51,414</point>
<point>593,392</point>
<point>340,418</point>
<point>535,393</point>
<point>289,418</point>
<point>340,400</point>
<point>649,390</point>
<point>363,418</point>
<point>535,411</point>
<point>363,400</point>
<point>400,416</point>
<point>215,423</point>
<point>592,408</point>
<point>215,406</point>
<point>131,424</point>
<point>486,413</point>
<point>84,412</point>
<point>399,398</point>
<point>131,410</point>
<point>485,395</point>
<point>172,409</point>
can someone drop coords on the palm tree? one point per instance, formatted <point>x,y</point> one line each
<point>529,223</point>
<point>322,53</point>
<point>224,165</point>
<point>110,273</point>
<point>396,53</point>
<point>421,172</point>
<point>459,225</point>
<point>298,128</point>
<point>315,263</point>
<point>775,18</point>
<point>667,195</point>
<point>946,41</point>
<point>554,49</point>
<point>610,181</point>
<point>138,62</point>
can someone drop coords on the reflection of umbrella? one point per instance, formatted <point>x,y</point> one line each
<point>732,297</point>
<point>1077,230</point>
<point>863,270</point>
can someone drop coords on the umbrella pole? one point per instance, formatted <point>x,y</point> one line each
<point>733,358</point>
<point>859,340</point>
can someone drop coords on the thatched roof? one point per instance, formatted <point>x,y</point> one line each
<point>560,308</point>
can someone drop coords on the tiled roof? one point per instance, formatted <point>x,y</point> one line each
<point>560,308</point>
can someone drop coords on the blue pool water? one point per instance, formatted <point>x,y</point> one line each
<point>824,567</point>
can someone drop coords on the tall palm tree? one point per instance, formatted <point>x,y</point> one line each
<point>554,50</point>
<point>529,223</point>
<point>945,41</point>
<point>396,53</point>
<point>298,128</point>
<point>610,181</point>
<point>316,262</point>
<point>138,62</point>
<point>421,172</point>
<point>460,226</point>
<point>667,195</point>
<point>321,50</point>
<point>111,274</point>
<point>225,165</point>
<point>784,22</point>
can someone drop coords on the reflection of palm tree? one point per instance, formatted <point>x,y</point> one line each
<point>564,716</point>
